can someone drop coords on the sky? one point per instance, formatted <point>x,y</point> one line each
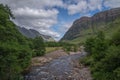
<point>55,17</point>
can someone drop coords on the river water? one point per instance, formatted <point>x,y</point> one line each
<point>62,68</point>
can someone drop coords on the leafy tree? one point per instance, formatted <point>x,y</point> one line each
<point>116,38</point>
<point>89,44</point>
<point>104,59</point>
<point>96,46</point>
<point>108,67</point>
<point>39,46</point>
<point>15,53</point>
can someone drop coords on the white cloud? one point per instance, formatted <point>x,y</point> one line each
<point>112,3</point>
<point>51,33</point>
<point>41,20</point>
<point>95,4</point>
<point>36,14</point>
<point>33,3</point>
<point>76,8</point>
<point>84,6</point>
<point>36,18</point>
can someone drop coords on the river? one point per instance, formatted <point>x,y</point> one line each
<point>63,68</point>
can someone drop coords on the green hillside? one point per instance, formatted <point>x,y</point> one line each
<point>108,29</point>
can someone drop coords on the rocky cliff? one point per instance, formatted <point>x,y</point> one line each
<point>89,25</point>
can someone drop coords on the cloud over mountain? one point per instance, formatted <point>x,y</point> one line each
<point>39,15</point>
<point>42,15</point>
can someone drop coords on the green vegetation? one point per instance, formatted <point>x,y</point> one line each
<point>38,46</point>
<point>15,53</point>
<point>66,46</point>
<point>108,29</point>
<point>16,50</point>
<point>104,56</point>
<point>53,44</point>
<point>51,49</point>
<point>70,47</point>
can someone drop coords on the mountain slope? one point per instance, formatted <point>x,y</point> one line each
<point>88,26</point>
<point>31,33</point>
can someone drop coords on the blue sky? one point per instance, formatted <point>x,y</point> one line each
<point>55,17</point>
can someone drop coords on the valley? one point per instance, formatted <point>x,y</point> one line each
<point>89,50</point>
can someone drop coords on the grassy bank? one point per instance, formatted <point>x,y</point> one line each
<point>51,49</point>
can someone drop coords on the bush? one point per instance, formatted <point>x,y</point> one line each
<point>15,54</point>
<point>116,38</point>
<point>38,46</point>
<point>13,61</point>
<point>89,44</point>
<point>108,65</point>
<point>104,58</point>
<point>96,46</point>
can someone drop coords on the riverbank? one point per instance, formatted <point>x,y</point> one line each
<point>58,65</point>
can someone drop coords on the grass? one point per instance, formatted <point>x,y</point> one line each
<point>79,39</point>
<point>51,49</point>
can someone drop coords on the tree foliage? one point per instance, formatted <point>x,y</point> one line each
<point>104,58</point>
<point>15,49</point>
<point>39,46</point>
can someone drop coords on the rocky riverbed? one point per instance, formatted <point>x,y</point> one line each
<point>60,66</point>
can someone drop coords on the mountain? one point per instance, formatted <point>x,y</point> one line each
<point>31,33</point>
<point>87,26</point>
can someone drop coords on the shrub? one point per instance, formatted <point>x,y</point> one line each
<point>116,38</point>
<point>104,58</point>
<point>39,46</point>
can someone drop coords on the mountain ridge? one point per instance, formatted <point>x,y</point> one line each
<point>31,33</point>
<point>84,23</point>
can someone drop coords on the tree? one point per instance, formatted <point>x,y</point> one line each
<point>96,46</point>
<point>15,53</point>
<point>39,46</point>
<point>116,38</point>
<point>105,58</point>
